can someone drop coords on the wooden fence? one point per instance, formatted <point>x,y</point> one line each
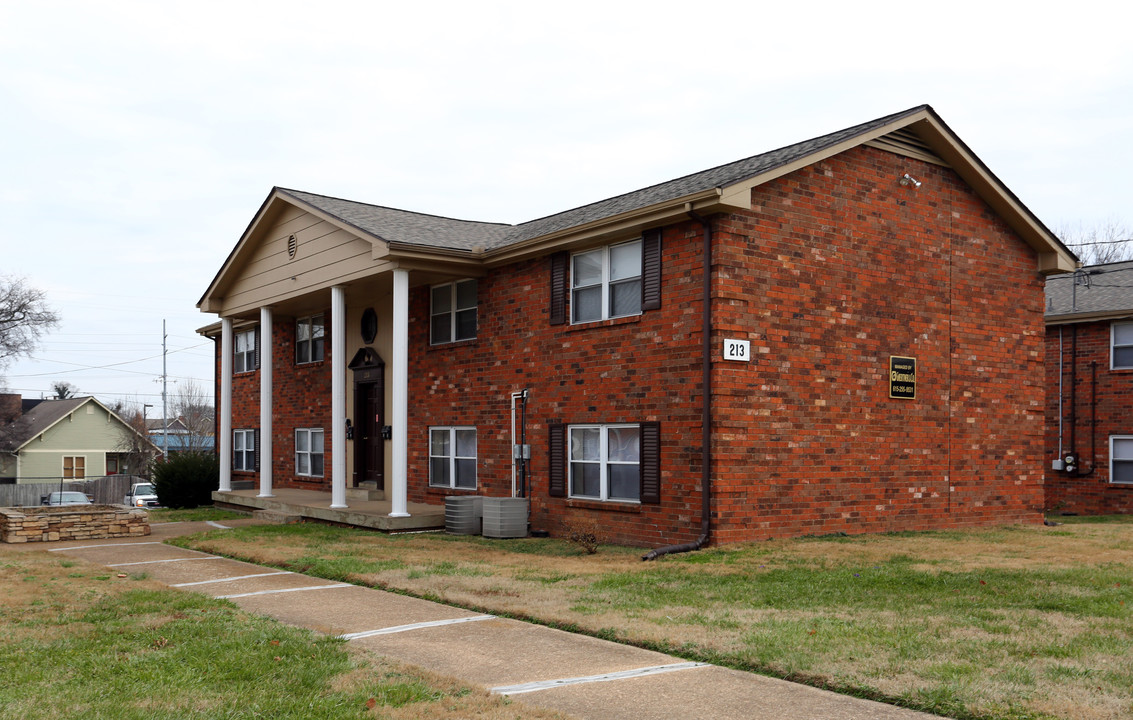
<point>107,490</point>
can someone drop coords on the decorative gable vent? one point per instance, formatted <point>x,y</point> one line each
<point>908,143</point>
<point>292,246</point>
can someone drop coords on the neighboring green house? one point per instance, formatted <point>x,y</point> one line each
<point>73,439</point>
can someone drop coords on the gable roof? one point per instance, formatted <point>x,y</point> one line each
<point>1096,292</point>
<point>45,414</point>
<point>918,132</point>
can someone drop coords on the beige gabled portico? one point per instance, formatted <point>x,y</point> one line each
<point>297,260</point>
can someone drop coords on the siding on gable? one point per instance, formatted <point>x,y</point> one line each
<point>325,255</point>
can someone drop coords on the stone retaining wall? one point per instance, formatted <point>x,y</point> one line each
<point>83,522</point>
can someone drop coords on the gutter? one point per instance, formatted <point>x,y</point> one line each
<point>705,407</point>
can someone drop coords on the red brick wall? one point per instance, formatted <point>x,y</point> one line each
<point>302,399</point>
<point>838,268</point>
<point>1090,493</point>
<point>835,268</point>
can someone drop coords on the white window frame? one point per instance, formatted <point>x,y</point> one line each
<point>1113,346</point>
<point>451,458</point>
<point>73,458</point>
<point>312,343</point>
<point>244,450</point>
<point>606,284</point>
<point>244,359</point>
<point>309,454</point>
<point>603,462</point>
<point>1123,460</point>
<point>449,317</point>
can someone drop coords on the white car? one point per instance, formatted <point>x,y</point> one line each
<point>141,495</point>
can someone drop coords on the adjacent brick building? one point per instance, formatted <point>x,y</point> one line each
<point>1089,368</point>
<point>869,357</point>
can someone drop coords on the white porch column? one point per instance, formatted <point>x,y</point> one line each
<point>399,418</point>
<point>224,442</point>
<point>266,402</point>
<point>338,396</point>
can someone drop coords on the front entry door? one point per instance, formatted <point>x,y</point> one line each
<point>369,447</point>
<point>369,417</point>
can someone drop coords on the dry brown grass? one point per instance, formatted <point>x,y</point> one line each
<point>984,656</point>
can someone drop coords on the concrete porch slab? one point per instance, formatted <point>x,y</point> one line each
<point>372,514</point>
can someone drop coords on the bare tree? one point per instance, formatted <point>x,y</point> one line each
<point>24,316</point>
<point>193,407</point>
<point>63,390</point>
<point>136,451</point>
<point>1108,242</point>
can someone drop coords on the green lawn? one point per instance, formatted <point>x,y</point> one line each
<point>1016,622</point>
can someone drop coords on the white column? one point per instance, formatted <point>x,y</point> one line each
<point>399,418</point>
<point>338,396</point>
<point>224,442</point>
<point>266,402</point>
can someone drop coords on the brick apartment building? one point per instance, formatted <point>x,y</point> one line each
<point>1089,350</point>
<point>842,335</point>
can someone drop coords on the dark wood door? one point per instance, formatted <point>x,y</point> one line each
<point>369,447</point>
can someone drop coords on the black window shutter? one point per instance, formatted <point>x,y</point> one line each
<point>557,465</point>
<point>651,269</point>
<point>257,341</point>
<point>651,462</point>
<point>559,287</point>
<point>256,440</point>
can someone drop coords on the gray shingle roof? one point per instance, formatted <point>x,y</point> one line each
<point>1093,290</point>
<point>411,228</point>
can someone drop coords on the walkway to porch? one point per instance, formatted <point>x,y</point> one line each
<point>373,514</point>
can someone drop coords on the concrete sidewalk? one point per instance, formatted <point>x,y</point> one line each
<point>575,674</point>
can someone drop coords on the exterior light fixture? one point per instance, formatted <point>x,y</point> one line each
<point>908,180</point>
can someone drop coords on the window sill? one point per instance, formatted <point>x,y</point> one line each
<point>445,491</point>
<point>446,345</point>
<point>614,322</point>
<point>612,505</point>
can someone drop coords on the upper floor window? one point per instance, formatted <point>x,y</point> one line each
<point>244,359</point>
<point>1121,342</point>
<point>309,452</point>
<point>1121,459</point>
<point>606,282</point>
<point>452,457</point>
<point>309,339</point>
<point>453,313</point>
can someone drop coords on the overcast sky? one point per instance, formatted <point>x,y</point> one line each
<point>138,139</point>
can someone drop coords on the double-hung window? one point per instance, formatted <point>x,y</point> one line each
<point>244,358</point>
<point>1121,459</point>
<point>453,313</point>
<point>244,450</point>
<point>309,452</point>
<point>606,282</point>
<point>74,467</point>
<point>452,457</point>
<point>1121,344</point>
<point>605,462</point>
<point>309,339</point>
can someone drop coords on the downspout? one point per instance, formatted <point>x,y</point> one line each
<point>1060,378</point>
<point>705,405</point>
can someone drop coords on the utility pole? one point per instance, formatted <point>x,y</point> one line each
<point>164,406</point>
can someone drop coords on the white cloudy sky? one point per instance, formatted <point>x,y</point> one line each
<point>137,139</point>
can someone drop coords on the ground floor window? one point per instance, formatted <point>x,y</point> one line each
<point>1121,459</point>
<point>74,467</point>
<point>605,462</point>
<point>309,452</point>
<point>244,450</point>
<point>452,457</point>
